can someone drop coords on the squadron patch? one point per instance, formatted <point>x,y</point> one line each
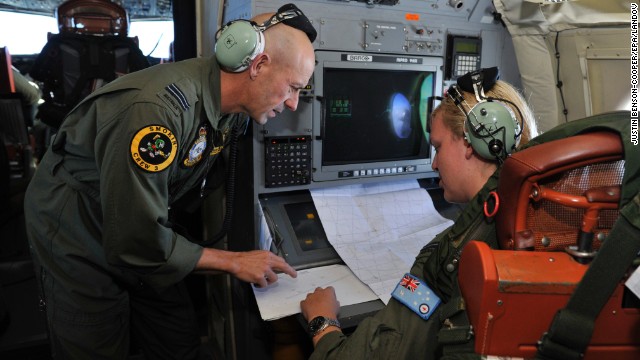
<point>153,148</point>
<point>197,149</point>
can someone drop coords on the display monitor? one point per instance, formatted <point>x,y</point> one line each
<point>371,113</point>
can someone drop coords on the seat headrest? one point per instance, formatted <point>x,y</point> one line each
<point>521,170</point>
<point>92,17</point>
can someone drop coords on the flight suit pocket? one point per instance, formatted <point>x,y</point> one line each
<point>385,343</point>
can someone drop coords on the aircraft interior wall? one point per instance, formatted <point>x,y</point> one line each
<point>584,46</point>
<point>596,63</point>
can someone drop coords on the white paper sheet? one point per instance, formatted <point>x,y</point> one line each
<point>283,297</point>
<point>633,283</point>
<point>378,229</point>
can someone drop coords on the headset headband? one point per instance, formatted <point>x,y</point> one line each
<point>290,15</point>
<point>471,81</point>
<point>476,82</point>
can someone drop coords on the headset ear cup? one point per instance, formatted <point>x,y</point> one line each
<point>491,130</point>
<point>483,144</point>
<point>237,45</point>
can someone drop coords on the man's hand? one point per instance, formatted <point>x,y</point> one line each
<point>257,266</point>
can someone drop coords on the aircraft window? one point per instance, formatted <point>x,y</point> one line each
<point>25,34</point>
<point>154,37</point>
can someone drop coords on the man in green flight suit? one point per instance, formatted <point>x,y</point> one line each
<point>468,164</point>
<point>109,263</point>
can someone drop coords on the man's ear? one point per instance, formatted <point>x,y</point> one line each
<point>257,65</point>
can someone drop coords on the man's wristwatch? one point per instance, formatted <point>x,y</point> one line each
<point>320,323</point>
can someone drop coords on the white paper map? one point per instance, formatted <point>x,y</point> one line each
<point>378,229</point>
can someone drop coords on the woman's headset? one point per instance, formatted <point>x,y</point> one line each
<point>240,41</point>
<point>491,127</point>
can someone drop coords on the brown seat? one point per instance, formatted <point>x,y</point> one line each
<point>14,136</point>
<point>7,86</point>
<point>92,49</point>
<point>554,199</point>
<point>18,290</point>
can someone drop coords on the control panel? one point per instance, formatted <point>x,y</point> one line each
<point>287,161</point>
<point>377,171</point>
<point>463,55</point>
<point>401,38</point>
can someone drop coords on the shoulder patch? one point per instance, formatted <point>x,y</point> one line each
<point>414,293</point>
<point>153,148</point>
<point>173,96</point>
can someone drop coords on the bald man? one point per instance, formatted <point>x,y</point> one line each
<point>109,261</point>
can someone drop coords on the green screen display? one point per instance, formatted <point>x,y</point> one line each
<point>466,47</point>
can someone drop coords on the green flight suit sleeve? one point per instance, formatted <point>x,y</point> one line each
<point>135,201</point>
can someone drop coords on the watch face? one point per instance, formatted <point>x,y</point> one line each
<point>316,323</point>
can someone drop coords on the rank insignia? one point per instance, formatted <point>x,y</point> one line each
<point>153,148</point>
<point>416,295</point>
<point>197,149</point>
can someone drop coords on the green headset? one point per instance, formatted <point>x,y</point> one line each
<point>491,127</point>
<point>240,41</point>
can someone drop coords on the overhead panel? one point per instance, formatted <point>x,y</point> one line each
<point>384,36</point>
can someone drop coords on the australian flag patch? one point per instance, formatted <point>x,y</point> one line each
<point>416,295</point>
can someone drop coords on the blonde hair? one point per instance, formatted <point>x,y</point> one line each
<point>454,119</point>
